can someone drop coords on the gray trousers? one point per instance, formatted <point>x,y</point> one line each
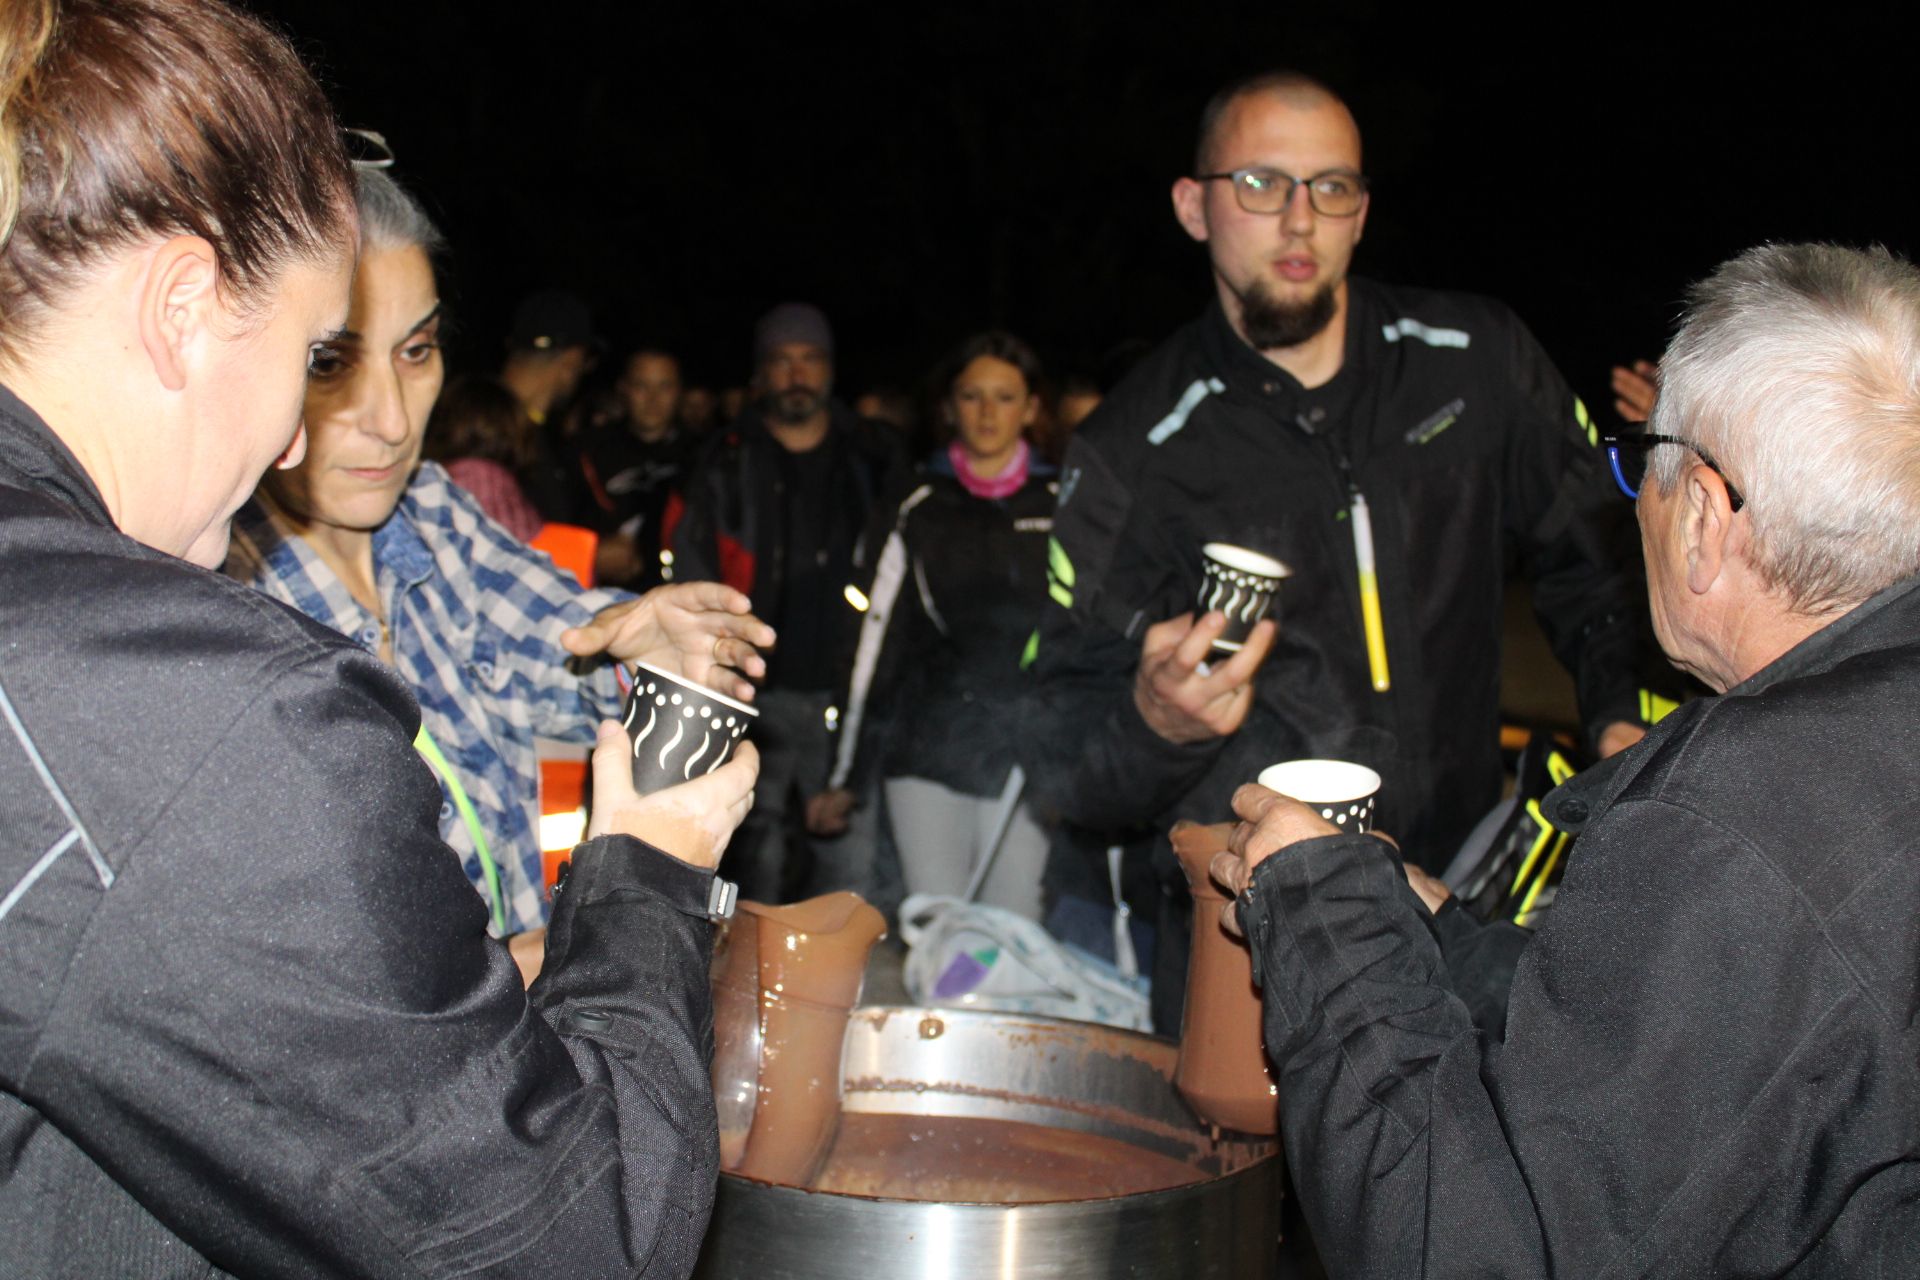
<point>942,835</point>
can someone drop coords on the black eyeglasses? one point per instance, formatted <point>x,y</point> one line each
<point>1337,193</point>
<point>1628,456</point>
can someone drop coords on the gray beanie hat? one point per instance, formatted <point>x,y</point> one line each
<point>792,322</point>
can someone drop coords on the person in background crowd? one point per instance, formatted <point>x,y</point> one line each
<point>1392,447</point>
<point>253,1023</point>
<point>1634,388</point>
<point>733,403</point>
<point>698,405</point>
<point>550,348</point>
<point>390,553</point>
<point>890,405</point>
<point>776,507</point>
<point>956,592</point>
<point>1709,1063</point>
<point>478,433</point>
<point>1079,396</point>
<point>633,465</point>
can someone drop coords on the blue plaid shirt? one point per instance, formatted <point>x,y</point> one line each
<point>475,618</point>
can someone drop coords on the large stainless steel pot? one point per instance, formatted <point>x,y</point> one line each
<point>1068,1075</point>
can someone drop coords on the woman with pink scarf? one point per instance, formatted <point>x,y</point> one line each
<point>956,595</point>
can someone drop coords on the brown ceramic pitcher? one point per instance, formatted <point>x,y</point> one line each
<point>785,981</point>
<point>1223,1071</point>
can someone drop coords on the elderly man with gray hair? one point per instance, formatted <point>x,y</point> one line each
<point>1712,1059</point>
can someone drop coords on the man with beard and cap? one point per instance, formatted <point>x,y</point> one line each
<point>1327,422</point>
<point>776,506</point>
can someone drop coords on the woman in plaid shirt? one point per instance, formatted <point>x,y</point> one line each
<point>390,552</point>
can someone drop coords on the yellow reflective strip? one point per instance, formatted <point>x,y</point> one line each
<point>1376,632</point>
<point>1525,913</point>
<point>1558,768</point>
<point>1061,596</point>
<point>1540,842</point>
<point>1581,416</point>
<point>1031,652</point>
<point>1654,708</point>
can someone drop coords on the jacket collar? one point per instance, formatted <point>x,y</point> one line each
<point>1884,620</point>
<point>30,452</point>
<point>1240,365</point>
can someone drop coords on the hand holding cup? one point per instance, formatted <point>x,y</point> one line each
<point>1328,798</point>
<point>691,821</point>
<point>702,631</point>
<point>1179,696</point>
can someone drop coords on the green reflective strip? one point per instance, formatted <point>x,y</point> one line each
<point>1059,574</point>
<point>1654,708</point>
<point>1059,567</point>
<point>1581,416</point>
<point>437,761</point>
<point>1031,652</point>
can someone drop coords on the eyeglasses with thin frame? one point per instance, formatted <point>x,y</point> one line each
<point>1627,454</point>
<point>1336,193</point>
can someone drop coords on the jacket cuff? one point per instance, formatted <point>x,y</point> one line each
<point>608,866</point>
<point>1285,887</point>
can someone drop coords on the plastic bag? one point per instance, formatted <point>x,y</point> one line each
<point>966,955</point>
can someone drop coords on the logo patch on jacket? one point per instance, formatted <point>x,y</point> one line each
<point>1435,423</point>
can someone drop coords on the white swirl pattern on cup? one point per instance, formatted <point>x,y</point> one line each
<point>1233,584</point>
<point>712,724</point>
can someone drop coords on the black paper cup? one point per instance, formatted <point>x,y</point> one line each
<point>679,730</point>
<point>1242,584</point>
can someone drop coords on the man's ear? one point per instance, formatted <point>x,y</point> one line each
<point>1190,207</point>
<point>1707,526</point>
<point>179,302</point>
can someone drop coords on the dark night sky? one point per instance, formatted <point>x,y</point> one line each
<point>923,172</point>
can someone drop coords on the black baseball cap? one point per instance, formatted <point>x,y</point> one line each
<point>552,320</point>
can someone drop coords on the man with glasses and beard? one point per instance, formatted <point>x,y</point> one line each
<point>775,507</point>
<point>1395,448</point>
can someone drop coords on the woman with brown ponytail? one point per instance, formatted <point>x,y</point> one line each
<point>250,1020</point>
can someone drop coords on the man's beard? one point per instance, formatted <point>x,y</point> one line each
<point>791,408</point>
<point>1271,324</point>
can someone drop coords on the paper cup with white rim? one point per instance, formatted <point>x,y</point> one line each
<point>1341,791</point>
<point>1242,584</point>
<point>679,730</point>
